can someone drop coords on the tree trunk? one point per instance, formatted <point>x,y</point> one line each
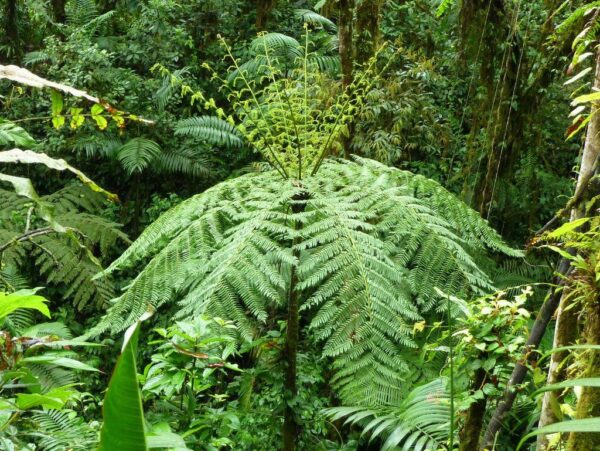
<point>263,9</point>
<point>565,333</point>
<point>11,30</point>
<point>290,424</point>
<point>368,13</point>
<point>471,431</point>
<point>58,11</point>
<point>589,399</point>
<point>529,356</point>
<point>566,319</point>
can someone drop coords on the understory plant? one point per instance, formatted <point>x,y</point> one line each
<point>347,252</point>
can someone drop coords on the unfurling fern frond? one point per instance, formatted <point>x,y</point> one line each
<point>137,154</point>
<point>213,130</point>
<point>370,245</point>
<point>419,422</point>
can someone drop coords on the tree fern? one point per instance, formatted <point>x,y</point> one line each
<point>369,233</point>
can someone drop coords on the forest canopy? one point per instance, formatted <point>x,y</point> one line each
<point>299,225</point>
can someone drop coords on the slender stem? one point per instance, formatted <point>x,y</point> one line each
<point>451,355</point>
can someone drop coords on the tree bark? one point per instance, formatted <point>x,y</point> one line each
<point>471,431</point>
<point>263,9</point>
<point>566,319</point>
<point>58,11</point>
<point>368,13</point>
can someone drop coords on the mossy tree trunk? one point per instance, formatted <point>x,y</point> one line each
<point>263,9</point>
<point>566,319</point>
<point>471,430</point>
<point>368,13</point>
<point>589,400</point>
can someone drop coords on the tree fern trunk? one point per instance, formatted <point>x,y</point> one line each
<point>11,29</point>
<point>58,11</point>
<point>290,425</point>
<point>263,9</point>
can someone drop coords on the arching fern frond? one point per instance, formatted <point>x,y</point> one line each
<point>213,130</point>
<point>137,154</point>
<point>419,422</point>
<point>58,430</point>
<point>315,19</point>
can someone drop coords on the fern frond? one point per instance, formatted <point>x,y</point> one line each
<point>213,130</point>
<point>81,12</point>
<point>419,422</point>
<point>372,245</point>
<point>60,430</point>
<point>315,19</point>
<point>65,262</point>
<point>137,154</point>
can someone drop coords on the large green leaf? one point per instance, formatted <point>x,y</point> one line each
<point>585,425</point>
<point>22,299</point>
<point>31,157</point>
<point>123,427</point>
<point>583,382</point>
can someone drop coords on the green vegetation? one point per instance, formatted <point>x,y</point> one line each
<point>307,225</point>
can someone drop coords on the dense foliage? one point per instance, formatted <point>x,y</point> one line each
<point>318,225</point>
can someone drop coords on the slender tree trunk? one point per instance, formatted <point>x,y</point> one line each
<point>12,30</point>
<point>290,424</point>
<point>345,18</point>
<point>263,9</point>
<point>565,333</point>
<point>368,13</point>
<point>589,399</point>
<point>58,11</point>
<point>471,431</point>
<point>529,356</point>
